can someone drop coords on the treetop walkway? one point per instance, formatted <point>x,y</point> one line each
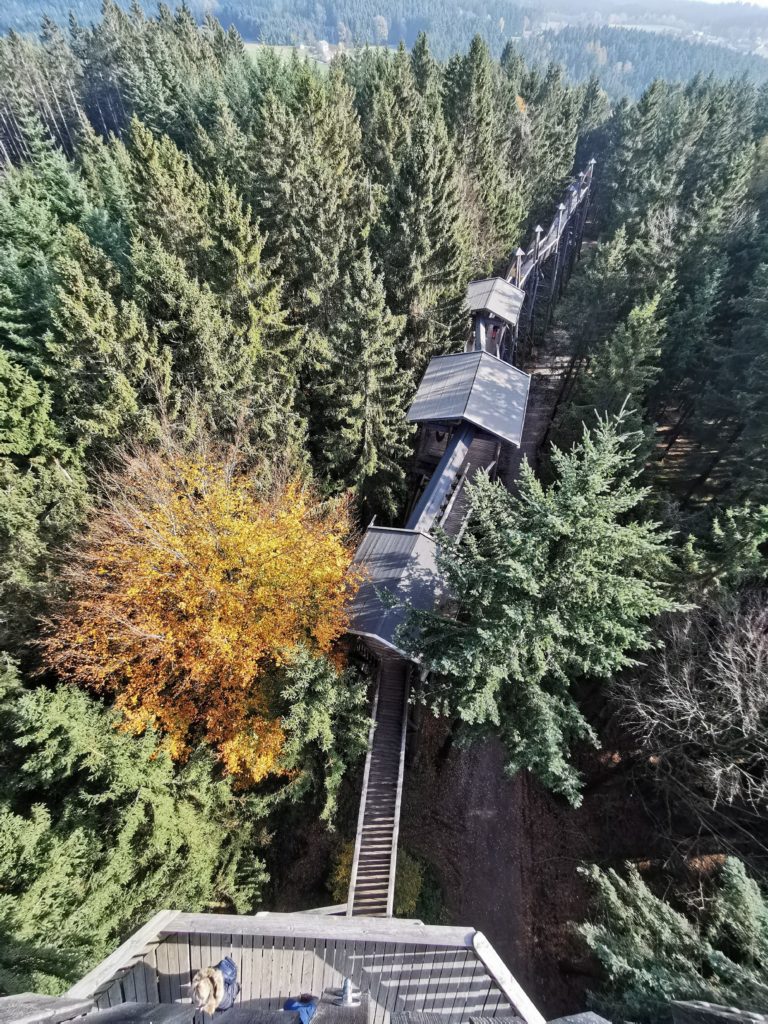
<point>472,403</point>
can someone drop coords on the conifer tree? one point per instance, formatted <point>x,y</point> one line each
<point>192,335</point>
<point>364,440</point>
<point>550,585</point>
<point>325,725</point>
<point>26,428</point>
<point>311,200</point>
<point>87,860</point>
<point>96,349</point>
<point>652,953</point>
<point>474,119</point>
<point>169,198</point>
<point>426,74</point>
<point>422,245</point>
<point>745,370</point>
<point>620,373</point>
<point>391,106</point>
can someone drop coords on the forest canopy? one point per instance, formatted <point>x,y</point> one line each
<point>222,276</point>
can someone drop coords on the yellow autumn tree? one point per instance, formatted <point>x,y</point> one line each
<point>192,584</point>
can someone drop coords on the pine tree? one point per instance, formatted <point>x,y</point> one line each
<point>600,295</point>
<point>744,374</point>
<point>473,115</point>
<point>549,586</point>
<point>390,107</point>
<point>169,198</point>
<point>190,330</point>
<point>26,429</point>
<point>620,373</point>
<point>264,344</point>
<point>651,953</point>
<point>96,349</point>
<point>426,73</point>
<point>311,200</point>
<point>87,860</point>
<point>422,245</point>
<point>325,725</point>
<point>363,440</point>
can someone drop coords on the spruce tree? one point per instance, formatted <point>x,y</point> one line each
<point>474,117</point>
<point>744,373</point>
<point>95,350</point>
<point>651,953</point>
<point>426,73</point>
<point>620,373</point>
<point>169,198</point>
<point>363,442</point>
<point>551,585</point>
<point>422,244</point>
<point>313,204</point>
<point>87,860</point>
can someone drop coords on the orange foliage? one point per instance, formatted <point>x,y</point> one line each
<point>188,587</point>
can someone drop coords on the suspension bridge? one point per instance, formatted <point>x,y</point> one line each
<point>471,408</point>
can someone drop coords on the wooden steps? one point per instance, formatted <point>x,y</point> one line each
<point>483,453</point>
<point>372,883</point>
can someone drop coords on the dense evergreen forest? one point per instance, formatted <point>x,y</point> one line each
<point>669,42</point>
<point>628,60</point>
<point>221,278</point>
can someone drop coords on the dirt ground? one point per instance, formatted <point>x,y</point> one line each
<point>507,852</point>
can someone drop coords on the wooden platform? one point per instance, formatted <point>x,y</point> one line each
<point>400,965</point>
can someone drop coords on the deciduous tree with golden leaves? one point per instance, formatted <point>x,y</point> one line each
<point>193,587</point>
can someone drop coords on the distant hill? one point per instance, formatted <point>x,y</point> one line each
<point>627,45</point>
<point>627,60</point>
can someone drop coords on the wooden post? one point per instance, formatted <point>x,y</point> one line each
<point>519,253</point>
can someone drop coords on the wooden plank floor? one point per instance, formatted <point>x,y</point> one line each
<point>381,804</point>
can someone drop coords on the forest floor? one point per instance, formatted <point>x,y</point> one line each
<point>506,853</point>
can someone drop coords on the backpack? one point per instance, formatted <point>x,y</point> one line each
<point>228,969</point>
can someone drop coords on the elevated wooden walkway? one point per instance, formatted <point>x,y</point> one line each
<point>473,407</point>
<point>483,455</point>
<point>372,884</point>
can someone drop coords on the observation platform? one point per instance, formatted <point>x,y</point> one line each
<point>496,297</point>
<point>399,966</point>
<point>403,565</point>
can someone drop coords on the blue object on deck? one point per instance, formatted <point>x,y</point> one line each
<point>306,1008</point>
<point>228,969</point>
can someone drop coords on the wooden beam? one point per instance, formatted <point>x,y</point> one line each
<point>506,981</point>
<point>31,1008</point>
<point>308,926</point>
<point>123,957</point>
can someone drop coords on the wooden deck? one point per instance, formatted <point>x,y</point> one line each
<point>372,885</point>
<point>400,965</point>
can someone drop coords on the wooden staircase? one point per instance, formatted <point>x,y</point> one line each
<point>483,455</point>
<point>372,883</point>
